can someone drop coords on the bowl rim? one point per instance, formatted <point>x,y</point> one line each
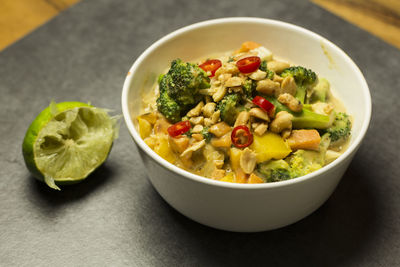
<point>197,178</point>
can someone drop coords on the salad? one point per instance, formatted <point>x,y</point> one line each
<point>244,117</point>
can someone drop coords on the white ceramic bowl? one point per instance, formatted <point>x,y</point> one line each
<point>247,207</point>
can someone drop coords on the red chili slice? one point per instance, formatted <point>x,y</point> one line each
<point>211,65</point>
<point>263,103</point>
<point>179,128</point>
<point>241,136</point>
<point>248,64</point>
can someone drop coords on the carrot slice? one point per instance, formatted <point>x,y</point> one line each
<point>254,179</point>
<point>241,176</point>
<point>247,46</point>
<point>304,139</point>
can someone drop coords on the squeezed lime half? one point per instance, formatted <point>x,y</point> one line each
<point>67,141</point>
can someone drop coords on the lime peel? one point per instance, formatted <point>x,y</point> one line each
<point>68,141</point>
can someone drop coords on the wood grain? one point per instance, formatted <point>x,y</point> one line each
<point>19,17</point>
<point>379,17</point>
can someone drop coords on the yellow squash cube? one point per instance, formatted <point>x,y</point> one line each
<point>270,146</point>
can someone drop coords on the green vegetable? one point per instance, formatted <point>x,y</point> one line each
<point>179,89</point>
<point>303,162</point>
<point>229,107</point>
<point>160,78</point>
<point>303,78</point>
<point>306,119</point>
<point>206,134</point>
<point>340,129</point>
<point>320,91</point>
<point>249,87</point>
<point>300,163</point>
<point>263,67</point>
<point>169,107</point>
<point>274,170</point>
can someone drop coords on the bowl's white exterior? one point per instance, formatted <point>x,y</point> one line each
<point>243,207</point>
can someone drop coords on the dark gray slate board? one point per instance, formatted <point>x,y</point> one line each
<point>115,217</point>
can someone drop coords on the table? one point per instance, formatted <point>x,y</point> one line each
<point>115,218</point>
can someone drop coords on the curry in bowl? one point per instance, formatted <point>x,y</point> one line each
<point>245,117</point>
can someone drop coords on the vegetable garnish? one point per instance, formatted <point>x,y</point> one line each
<point>211,65</point>
<point>179,128</point>
<point>241,136</point>
<point>248,64</point>
<point>263,103</point>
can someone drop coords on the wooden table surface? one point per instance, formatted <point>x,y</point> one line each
<point>379,17</point>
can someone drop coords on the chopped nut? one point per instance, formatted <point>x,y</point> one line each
<point>196,110</point>
<point>219,94</point>
<point>208,109</point>
<point>207,122</point>
<point>291,102</point>
<point>288,85</point>
<point>242,118</point>
<point>227,68</point>
<point>236,89</point>
<point>277,78</point>
<point>215,116</point>
<point>220,129</point>
<point>197,128</point>
<point>197,120</point>
<point>286,133</point>
<point>255,125</point>
<point>277,66</point>
<point>194,147</point>
<point>258,75</point>
<point>223,141</point>
<point>224,77</point>
<point>282,121</point>
<point>198,136</point>
<point>259,113</point>
<point>267,86</point>
<point>215,83</point>
<point>261,129</point>
<point>248,160</point>
<point>209,91</point>
<point>234,81</point>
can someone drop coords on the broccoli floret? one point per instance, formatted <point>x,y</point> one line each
<point>300,163</point>
<point>274,170</point>
<point>308,119</point>
<point>169,107</point>
<point>249,87</point>
<point>303,162</point>
<point>320,91</point>
<point>206,134</point>
<point>305,119</point>
<point>263,67</point>
<point>340,129</point>
<point>228,107</point>
<point>180,86</point>
<point>160,78</point>
<point>303,78</point>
